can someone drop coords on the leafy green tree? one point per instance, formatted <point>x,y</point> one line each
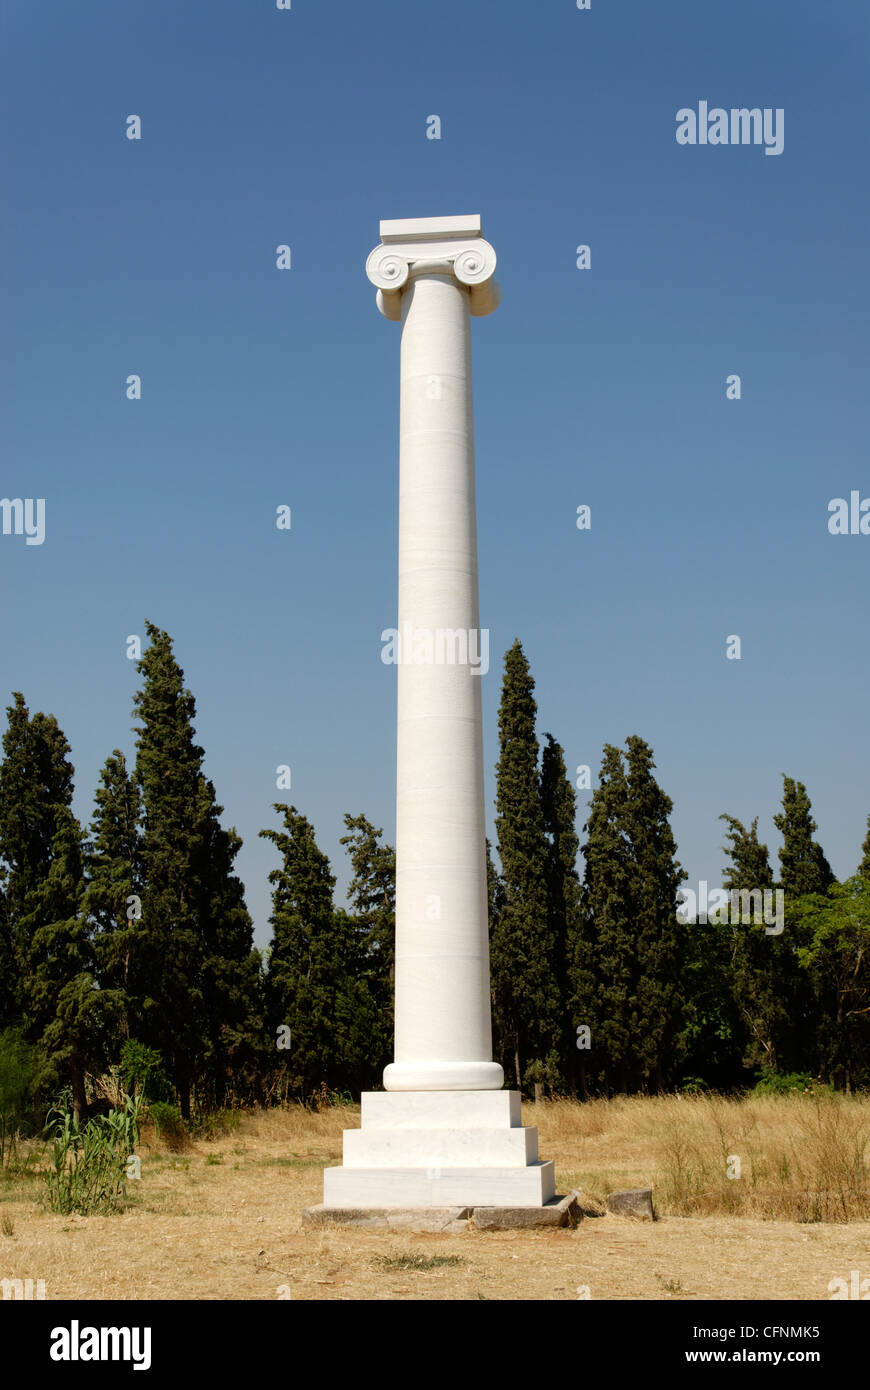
<point>19,1069</point>
<point>142,1071</point>
<point>804,866</point>
<point>836,954</point>
<point>524,981</point>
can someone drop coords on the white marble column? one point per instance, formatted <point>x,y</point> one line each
<point>435,273</point>
<point>443,1131</point>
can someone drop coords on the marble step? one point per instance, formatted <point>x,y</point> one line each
<point>445,1148</point>
<point>530,1186</point>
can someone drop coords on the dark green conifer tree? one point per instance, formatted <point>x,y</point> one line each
<point>36,777</point>
<point>750,859</point>
<point>196,972</point>
<point>232,982</point>
<point>524,982</point>
<point>656,1010</point>
<point>68,1016</point>
<point>713,1036</point>
<point>495,903</point>
<point>864,866</point>
<point>836,957</point>
<point>804,866</point>
<point>372,895</point>
<point>769,987</point>
<point>51,990</point>
<point>114,893</point>
<point>602,971</point>
<point>9,978</point>
<point>316,985</point>
<point>559,806</point>
<point>494,889</point>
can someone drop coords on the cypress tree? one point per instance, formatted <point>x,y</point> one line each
<point>494,889</point>
<point>372,894</point>
<point>231,967</point>
<point>495,903</point>
<point>602,971</point>
<point>36,778</point>
<point>525,988</point>
<point>804,866</point>
<point>656,1009</point>
<point>114,872</point>
<point>68,1015</point>
<point>168,956</point>
<point>750,859</point>
<point>559,807</point>
<point>755,958</point>
<point>9,978</point>
<point>804,872</point>
<point>769,988</point>
<point>315,984</point>
<point>864,866</point>
<point>48,982</point>
<point>362,1037</point>
<point>196,972</point>
<point>713,1036</point>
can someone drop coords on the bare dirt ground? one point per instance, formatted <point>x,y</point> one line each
<point>222,1221</point>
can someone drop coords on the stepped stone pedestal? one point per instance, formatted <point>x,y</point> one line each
<point>440,1149</point>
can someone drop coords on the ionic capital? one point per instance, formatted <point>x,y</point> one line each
<point>433,246</point>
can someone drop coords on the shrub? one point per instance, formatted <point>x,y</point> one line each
<point>774,1083</point>
<point>89,1162</point>
<point>169,1127</point>
<point>325,1099</point>
<point>17,1075</point>
<point>142,1070</point>
<point>694,1086</point>
<point>214,1124</point>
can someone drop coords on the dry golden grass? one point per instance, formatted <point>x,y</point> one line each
<point>222,1219</point>
<point>801,1158</point>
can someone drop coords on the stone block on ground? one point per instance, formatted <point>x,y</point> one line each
<point>633,1201</point>
<point>561,1211</point>
<point>427,1219</point>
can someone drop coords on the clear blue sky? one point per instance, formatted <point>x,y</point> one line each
<point>606,387</point>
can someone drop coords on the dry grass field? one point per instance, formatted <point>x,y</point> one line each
<point>221,1219</point>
